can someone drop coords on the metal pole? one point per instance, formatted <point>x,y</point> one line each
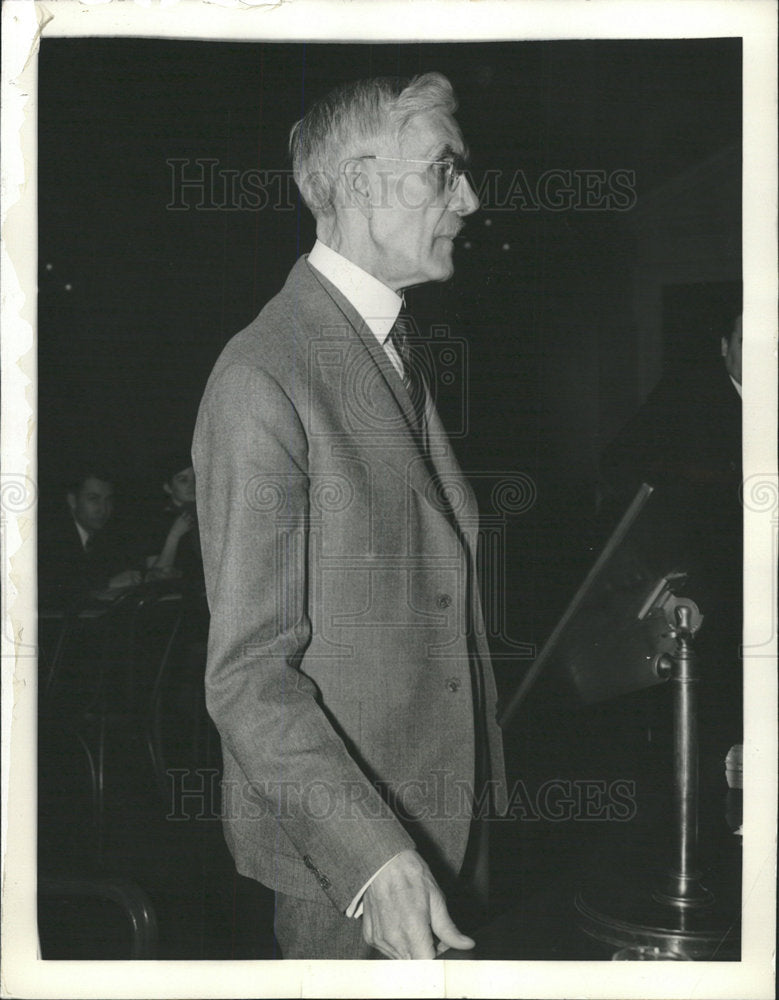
<point>682,886</point>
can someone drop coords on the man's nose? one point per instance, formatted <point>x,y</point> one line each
<point>464,200</point>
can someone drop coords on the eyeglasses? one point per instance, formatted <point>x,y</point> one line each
<point>448,172</point>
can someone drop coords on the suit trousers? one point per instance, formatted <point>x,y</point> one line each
<point>308,929</point>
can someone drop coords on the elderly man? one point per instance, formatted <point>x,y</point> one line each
<point>348,672</point>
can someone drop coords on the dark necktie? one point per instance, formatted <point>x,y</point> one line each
<point>402,337</point>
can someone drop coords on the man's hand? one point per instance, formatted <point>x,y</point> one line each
<point>130,578</point>
<point>183,523</point>
<point>404,912</point>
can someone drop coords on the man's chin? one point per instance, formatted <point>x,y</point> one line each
<point>443,266</point>
<point>432,277</point>
<point>439,268</point>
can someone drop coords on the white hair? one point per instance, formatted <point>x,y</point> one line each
<point>349,120</point>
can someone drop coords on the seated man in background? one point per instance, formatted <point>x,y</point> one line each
<point>77,552</point>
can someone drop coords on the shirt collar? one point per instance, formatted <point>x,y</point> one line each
<point>83,534</point>
<point>374,301</point>
<point>737,385</point>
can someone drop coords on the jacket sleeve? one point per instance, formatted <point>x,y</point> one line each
<point>251,461</point>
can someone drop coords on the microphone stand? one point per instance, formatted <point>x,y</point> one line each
<point>682,886</point>
<point>679,917</point>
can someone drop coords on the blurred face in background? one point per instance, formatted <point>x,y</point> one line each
<point>181,487</point>
<point>92,504</point>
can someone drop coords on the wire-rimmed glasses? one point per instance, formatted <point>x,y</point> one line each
<point>450,168</point>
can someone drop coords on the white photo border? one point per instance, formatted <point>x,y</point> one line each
<point>24,21</point>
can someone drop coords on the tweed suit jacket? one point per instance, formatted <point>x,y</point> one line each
<point>341,593</point>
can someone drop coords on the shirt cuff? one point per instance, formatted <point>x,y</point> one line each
<point>354,909</point>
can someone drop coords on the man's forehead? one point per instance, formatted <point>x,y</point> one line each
<point>431,134</point>
<point>97,486</point>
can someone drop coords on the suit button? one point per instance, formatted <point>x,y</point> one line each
<point>443,601</point>
<point>453,684</point>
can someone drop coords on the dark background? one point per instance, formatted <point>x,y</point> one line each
<point>155,293</point>
<point>136,299</point>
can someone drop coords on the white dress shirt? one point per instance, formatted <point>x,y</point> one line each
<point>379,307</point>
<point>374,301</point>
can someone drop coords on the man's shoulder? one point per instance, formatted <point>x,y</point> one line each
<point>283,334</point>
<point>297,313</point>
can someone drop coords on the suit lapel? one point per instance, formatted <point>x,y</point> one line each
<point>392,408</point>
<point>392,380</point>
<point>447,468</point>
<point>391,411</point>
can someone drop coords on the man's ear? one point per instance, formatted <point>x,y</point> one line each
<point>357,185</point>
<point>167,489</point>
<point>71,498</point>
<point>723,348</point>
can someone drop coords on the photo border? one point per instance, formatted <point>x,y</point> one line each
<point>24,22</point>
